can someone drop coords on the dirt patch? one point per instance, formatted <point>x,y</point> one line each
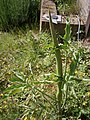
<point>86,43</point>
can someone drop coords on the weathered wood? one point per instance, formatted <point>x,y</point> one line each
<point>84,8</point>
<point>87,26</point>
<point>85,13</point>
<point>45,6</point>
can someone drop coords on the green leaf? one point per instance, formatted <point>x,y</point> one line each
<point>13,87</point>
<point>73,92</point>
<point>67,35</point>
<point>79,79</point>
<point>75,61</point>
<point>63,118</point>
<point>5,96</point>
<point>17,79</point>
<point>65,88</point>
<point>73,66</point>
<point>13,92</point>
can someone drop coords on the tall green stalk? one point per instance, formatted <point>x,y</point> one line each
<point>58,68</point>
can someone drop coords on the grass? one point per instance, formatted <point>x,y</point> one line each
<point>20,50</point>
<point>22,53</point>
<point>16,51</point>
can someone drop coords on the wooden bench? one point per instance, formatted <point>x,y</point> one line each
<point>47,5</point>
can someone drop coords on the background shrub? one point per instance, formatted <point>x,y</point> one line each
<point>16,12</point>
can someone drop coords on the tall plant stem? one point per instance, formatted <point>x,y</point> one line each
<point>58,68</point>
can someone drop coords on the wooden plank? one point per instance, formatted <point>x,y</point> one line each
<point>84,8</point>
<point>87,26</point>
<point>85,13</point>
<point>73,20</point>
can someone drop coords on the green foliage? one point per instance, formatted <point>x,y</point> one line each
<point>16,12</point>
<point>67,7</point>
<point>29,80</point>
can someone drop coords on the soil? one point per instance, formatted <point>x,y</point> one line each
<point>86,43</point>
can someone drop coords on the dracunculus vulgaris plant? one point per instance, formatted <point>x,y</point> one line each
<point>58,67</point>
<point>65,76</point>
